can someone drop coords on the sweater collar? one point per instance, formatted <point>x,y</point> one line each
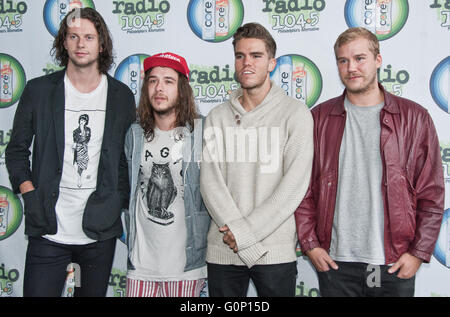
<point>270,101</point>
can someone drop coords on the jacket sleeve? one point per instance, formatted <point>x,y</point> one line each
<point>429,192</point>
<point>17,154</point>
<point>306,222</point>
<point>124,183</point>
<point>306,213</point>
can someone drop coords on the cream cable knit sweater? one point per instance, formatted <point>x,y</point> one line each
<point>255,171</point>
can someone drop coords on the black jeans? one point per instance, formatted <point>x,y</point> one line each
<point>363,280</point>
<point>273,280</point>
<point>47,262</point>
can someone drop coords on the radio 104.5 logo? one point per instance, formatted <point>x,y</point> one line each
<point>294,15</point>
<point>442,8</point>
<point>11,15</point>
<point>141,16</point>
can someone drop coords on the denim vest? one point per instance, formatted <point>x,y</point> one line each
<point>196,215</point>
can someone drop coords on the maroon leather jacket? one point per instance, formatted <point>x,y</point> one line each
<point>412,181</point>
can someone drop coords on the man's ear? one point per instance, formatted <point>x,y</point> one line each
<point>272,64</point>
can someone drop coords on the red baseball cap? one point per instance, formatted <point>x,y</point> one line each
<point>167,59</point>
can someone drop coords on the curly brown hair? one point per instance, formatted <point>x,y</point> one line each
<point>185,107</point>
<point>106,58</point>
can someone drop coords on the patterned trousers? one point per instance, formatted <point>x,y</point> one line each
<point>137,288</point>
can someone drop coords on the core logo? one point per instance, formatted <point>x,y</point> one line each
<point>299,77</point>
<point>215,20</point>
<point>11,213</point>
<point>294,15</point>
<point>141,16</point>
<point>384,18</point>
<point>211,85</point>
<point>443,10</point>
<point>442,249</point>
<point>440,84</point>
<point>131,72</point>
<point>393,81</point>
<point>56,10</point>
<point>12,80</point>
<point>11,15</point>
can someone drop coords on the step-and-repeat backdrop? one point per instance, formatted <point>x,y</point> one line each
<point>415,45</point>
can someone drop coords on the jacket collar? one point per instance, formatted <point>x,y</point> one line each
<point>390,105</point>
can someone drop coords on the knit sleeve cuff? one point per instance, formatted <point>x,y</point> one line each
<point>241,231</point>
<point>251,255</point>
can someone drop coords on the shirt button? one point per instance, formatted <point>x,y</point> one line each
<point>238,121</point>
<point>236,117</point>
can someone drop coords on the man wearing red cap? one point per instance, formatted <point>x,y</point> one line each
<point>167,221</point>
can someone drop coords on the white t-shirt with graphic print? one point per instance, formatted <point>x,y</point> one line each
<point>84,122</point>
<point>159,252</point>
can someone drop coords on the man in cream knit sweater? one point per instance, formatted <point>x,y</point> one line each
<point>257,157</point>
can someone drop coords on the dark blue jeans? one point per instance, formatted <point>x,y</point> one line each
<point>273,280</point>
<point>46,267</point>
<point>363,280</point>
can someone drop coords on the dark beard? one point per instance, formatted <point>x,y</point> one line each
<point>164,112</point>
<point>86,65</point>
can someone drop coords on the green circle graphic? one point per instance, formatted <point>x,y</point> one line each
<point>17,81</point>
<point>315,78</point>
<point>14,212</point>
<point>400,12</point>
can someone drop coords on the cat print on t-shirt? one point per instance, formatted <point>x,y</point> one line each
<point>160,178</point>
<point>161,192</point>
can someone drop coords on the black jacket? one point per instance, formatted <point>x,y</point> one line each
<point>40,115</point>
